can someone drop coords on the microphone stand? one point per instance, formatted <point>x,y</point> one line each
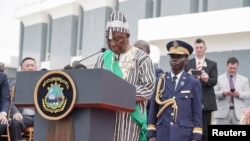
<point>77,62</point>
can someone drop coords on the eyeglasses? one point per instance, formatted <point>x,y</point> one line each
<point>116,40</point>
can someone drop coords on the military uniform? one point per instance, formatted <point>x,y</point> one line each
<point>176,114</point>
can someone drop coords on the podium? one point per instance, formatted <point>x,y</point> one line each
<point>100,94</point>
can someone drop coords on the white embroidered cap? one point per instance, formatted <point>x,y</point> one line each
<point>118,23</point>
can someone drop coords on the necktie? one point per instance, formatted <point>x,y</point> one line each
<point>198,66</point>
<point>231,84</point>
<point>174,82</point>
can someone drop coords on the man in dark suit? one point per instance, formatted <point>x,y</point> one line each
<point>22,117</point>
<point>206,71</point>
<point>4,102</point>
<point>175,112</point>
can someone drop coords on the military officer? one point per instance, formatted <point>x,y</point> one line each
<point>175,112</point>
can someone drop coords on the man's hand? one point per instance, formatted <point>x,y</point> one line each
<point>229,93</point>
<point>18,116</point>
<point>235,93</point>
<point>140,98</point>
<point>3,119</point>
<point>204,76</point>
<point>190,71</point>
<point>152,139</point>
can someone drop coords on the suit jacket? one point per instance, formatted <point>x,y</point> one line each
<point>189,114</point>
<point>223,103</point>
<point>5,93</point>
<point>208,94</point>
<point>14,108</point>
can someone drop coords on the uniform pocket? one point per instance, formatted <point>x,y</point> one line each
<point>185,100</point>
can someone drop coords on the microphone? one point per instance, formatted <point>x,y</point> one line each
<point>77,62</point>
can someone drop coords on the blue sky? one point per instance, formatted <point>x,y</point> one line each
<point>9,31</point>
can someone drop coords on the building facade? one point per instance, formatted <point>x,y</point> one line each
<point>58,32</point>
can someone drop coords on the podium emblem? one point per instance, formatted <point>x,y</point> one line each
<point>55,95</point>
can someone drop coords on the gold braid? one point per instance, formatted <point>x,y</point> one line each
<point>165,103</point>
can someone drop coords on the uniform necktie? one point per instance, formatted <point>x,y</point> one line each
<point>231,84</point>
<point>174,82</point>
<point>198,66</point>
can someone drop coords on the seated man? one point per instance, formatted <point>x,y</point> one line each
<point>5,101</point>
<point>23,117</point>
